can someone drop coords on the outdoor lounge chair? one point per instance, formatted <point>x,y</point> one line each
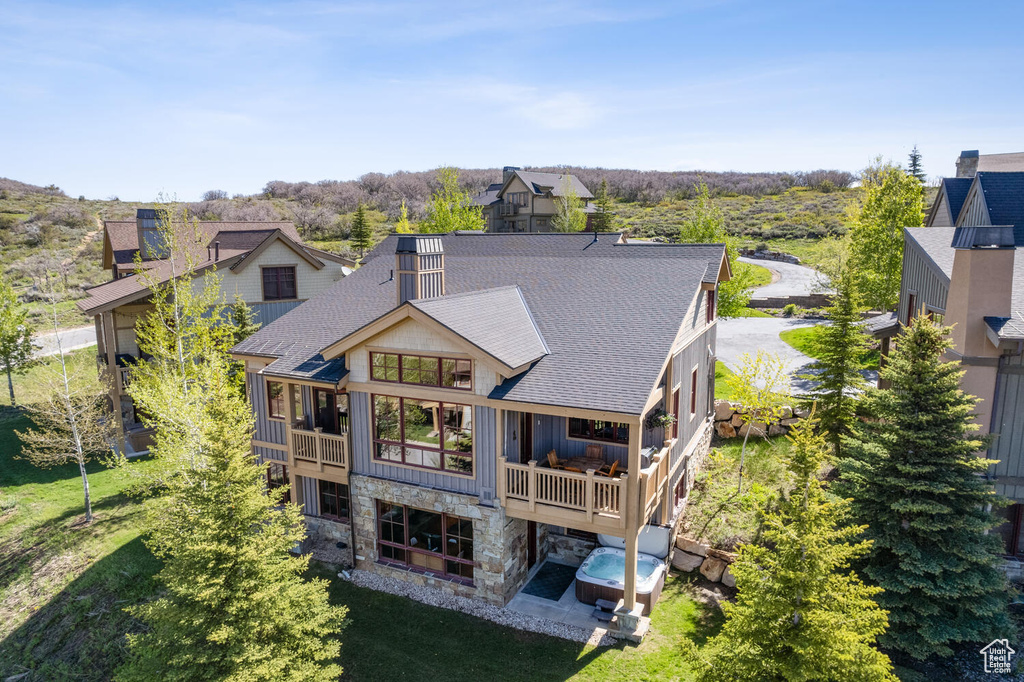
<point>595,452</point>
<point>611,470</point>
<point>555,463</point>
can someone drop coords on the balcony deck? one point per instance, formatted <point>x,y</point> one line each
<point>318,454</point>
<point>584,501</point>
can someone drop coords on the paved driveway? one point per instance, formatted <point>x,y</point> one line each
<point>792,280</point>
<point>70,339</point>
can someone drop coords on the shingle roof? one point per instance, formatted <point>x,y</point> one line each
<point>497,321</point>
<point>936,242</point>
<point>488,196</point>
<point>1004,197</point>
<point>1012,161</point>
<point>608,312</point>
<point>956,191</point>
<point>881,325</point>
<point>539,183</point>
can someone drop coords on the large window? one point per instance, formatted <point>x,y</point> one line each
<point>422,370</point>
<point>710,312</point>
<point>425,540</point>
<point>277,477</point>
<point>423,433</point>
<point>693,392</point>
<point>279,284</point>
<point>275,399</point>
<point>333,500</point>
<point>596,429</point>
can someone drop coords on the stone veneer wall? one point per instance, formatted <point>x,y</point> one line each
<point>499,543</point>
<point>566,549</point>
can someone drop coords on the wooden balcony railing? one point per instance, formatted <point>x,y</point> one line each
<point>316,447</point>
<point>124,375</point>
<point>580,500</point>
<point>506,209</point>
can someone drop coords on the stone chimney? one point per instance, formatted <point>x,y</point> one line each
<point>967,164</point>
<point>507,172</point>
<point>419,264</point>
<point>980,286</point>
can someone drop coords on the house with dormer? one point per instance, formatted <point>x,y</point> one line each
<point>962,269</point>
<point>526,201</point>
<point>264,263</point>
<point>466,406</point>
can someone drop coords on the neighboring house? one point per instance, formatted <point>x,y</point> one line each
<point>971,162</point>
<point>962,269</point>
<point>413,406</point>
<point>525,201</point>
<point>264,263</point>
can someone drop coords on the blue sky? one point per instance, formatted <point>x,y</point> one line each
<point>134,99</point>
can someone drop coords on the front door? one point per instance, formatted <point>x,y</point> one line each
<point>325,415</point>
<point>525,437</point>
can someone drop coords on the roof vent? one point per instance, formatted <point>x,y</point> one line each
<point>419,261</point>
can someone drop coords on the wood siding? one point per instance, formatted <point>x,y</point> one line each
<point>310,495</point>
<point>1008,426</point>
<point>922,278</point>
<point>485,458</point>
<point>267,430</point>
<point>694,354</point>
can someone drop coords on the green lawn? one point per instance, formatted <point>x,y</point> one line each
<point>723,391</point>
<point>28,387</point>
<point>425,643</point>
<point>759,275</point>
<point>805,340</point>
<point>752,312</point>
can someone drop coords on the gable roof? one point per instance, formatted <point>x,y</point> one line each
<point>542,183</point>
<point>954,190</point>
<point>497,321</point>
<point>1010,161</point>
<point>589,301</point>
<point>1004,197</point>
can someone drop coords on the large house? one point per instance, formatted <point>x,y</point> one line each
<point>962,268</point>
<point>526,201</point>
<point>264,263</point>
<point>465,406</point>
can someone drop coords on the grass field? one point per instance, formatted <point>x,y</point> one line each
<point>759,275</point>
<point>805,340</point>
<point>723,391</point>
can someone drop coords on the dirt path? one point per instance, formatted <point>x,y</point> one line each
<point>82,245</point>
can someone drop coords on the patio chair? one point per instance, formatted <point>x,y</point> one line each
<point>555,463</point>
<point>611,470</point>
<point>595,452</point>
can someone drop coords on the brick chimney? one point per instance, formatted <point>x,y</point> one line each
<point>419,264</point>
<point>980,286</point>
<point>967,164</point>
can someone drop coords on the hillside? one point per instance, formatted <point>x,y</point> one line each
<point>42,228</point>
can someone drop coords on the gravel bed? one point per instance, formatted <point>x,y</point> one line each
<point>501,616</point>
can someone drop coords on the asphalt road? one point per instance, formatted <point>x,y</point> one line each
<point>791,280</point>
<point>70,339</point>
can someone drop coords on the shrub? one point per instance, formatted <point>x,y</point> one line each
<point>214,195</point>
<point>789,310</point>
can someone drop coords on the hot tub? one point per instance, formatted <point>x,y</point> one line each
<point>603,573</point>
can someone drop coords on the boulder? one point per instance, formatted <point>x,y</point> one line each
<point>785,412</point>
<point>776,430</point>
<point>801,412</point>
<point>755,428</point>
<point>725,430</point>
<point>712,569</point>
<point>737,420</point>
<point>723,410</point>
<point>721,554</point>
<point>692,546</point>
<point>728,579</point>
<point>685,561</point>
<point>791,421</point>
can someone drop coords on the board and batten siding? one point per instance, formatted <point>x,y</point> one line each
<point>694,354</point>
<point>310,495</point>
<point>922,278</point>
<point>1008,426</point>
<point>485,458</point>
<point>267,430</point>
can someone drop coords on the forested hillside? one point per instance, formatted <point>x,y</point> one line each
<point>43,227</point>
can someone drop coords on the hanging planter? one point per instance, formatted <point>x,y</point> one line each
<point>660,419</point>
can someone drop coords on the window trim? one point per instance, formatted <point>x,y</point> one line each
<point>263,282</point>
<point>693,391</point>
<point>405,565</point>
<point>593,439</point>
<point>319,501</point>
<point>711,305</point>
<point>271,484</point>
<point>270,401</point>
<point>440,372</point>
<point>374,441</point>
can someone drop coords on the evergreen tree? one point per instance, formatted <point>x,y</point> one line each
<point>403,226</point>
<point>235,605</point>
<point>705,224</point>
<point>361,235</point>
<point>15,335</point>
<point>450,208</point>
<point>836,372</point>
<point>894,200</point>
<point>800,613</point>
<point>602,220</point>
<point>243,321</point>
<point>914,164</point>
<point>914,476</point>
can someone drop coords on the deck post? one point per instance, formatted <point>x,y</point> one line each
<point>531,484</point>
<point>113,374</point>
<point>631,507</point>
<point>289,413</point>
<point>499,450</point>
<point>318,447</point>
